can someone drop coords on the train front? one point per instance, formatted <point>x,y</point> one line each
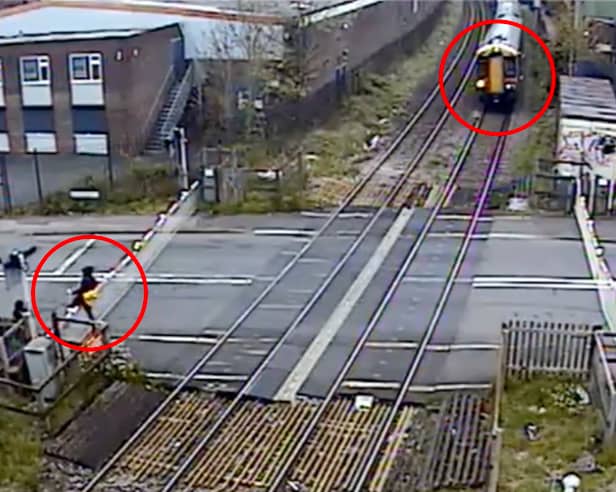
<point>498,59</point>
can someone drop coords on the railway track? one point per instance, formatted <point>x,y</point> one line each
<point>374,463</point>
<point>272,447</point>
<point>174,446</point>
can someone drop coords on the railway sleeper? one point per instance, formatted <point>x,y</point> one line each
<point>460,447</point>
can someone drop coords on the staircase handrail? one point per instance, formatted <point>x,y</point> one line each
<point>150,120</point>
<point>179,103</point>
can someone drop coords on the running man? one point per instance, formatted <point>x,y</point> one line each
<point>84,293</point>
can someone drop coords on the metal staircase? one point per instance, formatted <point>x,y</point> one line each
<point>171,112</point>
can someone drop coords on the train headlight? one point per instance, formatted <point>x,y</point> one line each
<point>508,86</point>
<point>480,84</point>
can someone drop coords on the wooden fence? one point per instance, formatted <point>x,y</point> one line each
<point>546,347</point>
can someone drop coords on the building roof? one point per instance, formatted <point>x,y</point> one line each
<point>599,9</point>
<point>587,98</point>
<point>204,36</point>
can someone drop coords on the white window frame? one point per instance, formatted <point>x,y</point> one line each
<point>92,60</point>
<point>42,61</point>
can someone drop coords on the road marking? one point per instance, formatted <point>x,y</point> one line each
<point>462,217</point>
<point>427,279</point>
<point>200,340</point>
<point>70,261</point>
<point>283,232</point>
<point>152,279</point>
<point>374,385</point>
<point>505,285</point>
<point>513,279</point>
<point>347,215</point>
<point>197,377</point>
<point>539,283</point>
<point>281,307</point>
<point>177,339</point>
<point>432,348</point>
<point>311,356</point>
<point>505,235</point>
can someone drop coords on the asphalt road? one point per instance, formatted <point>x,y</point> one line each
<point>218,274</point>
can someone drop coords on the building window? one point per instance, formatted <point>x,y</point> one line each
<point>35,70</point>
<point>86,67</point>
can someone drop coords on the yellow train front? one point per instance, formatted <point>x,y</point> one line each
<point>498,58</point>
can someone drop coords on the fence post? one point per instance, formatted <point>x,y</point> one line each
<point>37,174</point>
<point>6,187</point>
<point>109,164</point>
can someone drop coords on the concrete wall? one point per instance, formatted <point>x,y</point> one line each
<point>134,69</point>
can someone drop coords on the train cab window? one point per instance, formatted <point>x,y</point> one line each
<point>482,68</point>
<point>510,67</point>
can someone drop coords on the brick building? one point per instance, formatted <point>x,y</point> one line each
<point>78,76</point>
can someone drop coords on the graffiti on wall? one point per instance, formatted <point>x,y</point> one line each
<point>595,148</point>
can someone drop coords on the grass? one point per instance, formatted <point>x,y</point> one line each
<point>146,189</point>
<point>20,453</point>
<point>565,432</point>
<point>378,103</point>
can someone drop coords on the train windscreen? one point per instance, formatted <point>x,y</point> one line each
<point>510,67</point>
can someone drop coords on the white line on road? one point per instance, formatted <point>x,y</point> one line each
<point>503,235</point>
<point>70,261</point>
<point>283,232</point>
<point>197,377</point>
<point>432,348</point>
<point>197,340</point>
<point>154,280</point>
<point>363,385</point>
<point>311,356</point>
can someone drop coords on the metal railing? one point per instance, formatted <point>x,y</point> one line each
<point>598,266</point>
<point>179,103</point>
<point>15,337</point>
<point>58,389</point>
<point>150,120</point>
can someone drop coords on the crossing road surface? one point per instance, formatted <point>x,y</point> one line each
<point>203,281</point>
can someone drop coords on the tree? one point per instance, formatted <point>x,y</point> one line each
<point>571,43</point>
<point>243,54</point>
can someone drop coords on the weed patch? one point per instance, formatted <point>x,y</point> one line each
<point>20,453</point>
<point>565,432</point>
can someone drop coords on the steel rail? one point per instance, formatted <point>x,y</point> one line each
<point>229,409</point>
<point>334,215</point>
<point>376,316</point>
<point>381,435</point>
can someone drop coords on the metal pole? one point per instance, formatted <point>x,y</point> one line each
<point>610,195</point>
<point>183,158</point>
<point>6,186</point>
<point>26,293</point>
<point>109,164</point>
<point>37,174</point>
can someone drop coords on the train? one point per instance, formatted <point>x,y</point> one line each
<point>499,55</point>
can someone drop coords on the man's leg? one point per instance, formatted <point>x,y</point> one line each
<point>88,309</point>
